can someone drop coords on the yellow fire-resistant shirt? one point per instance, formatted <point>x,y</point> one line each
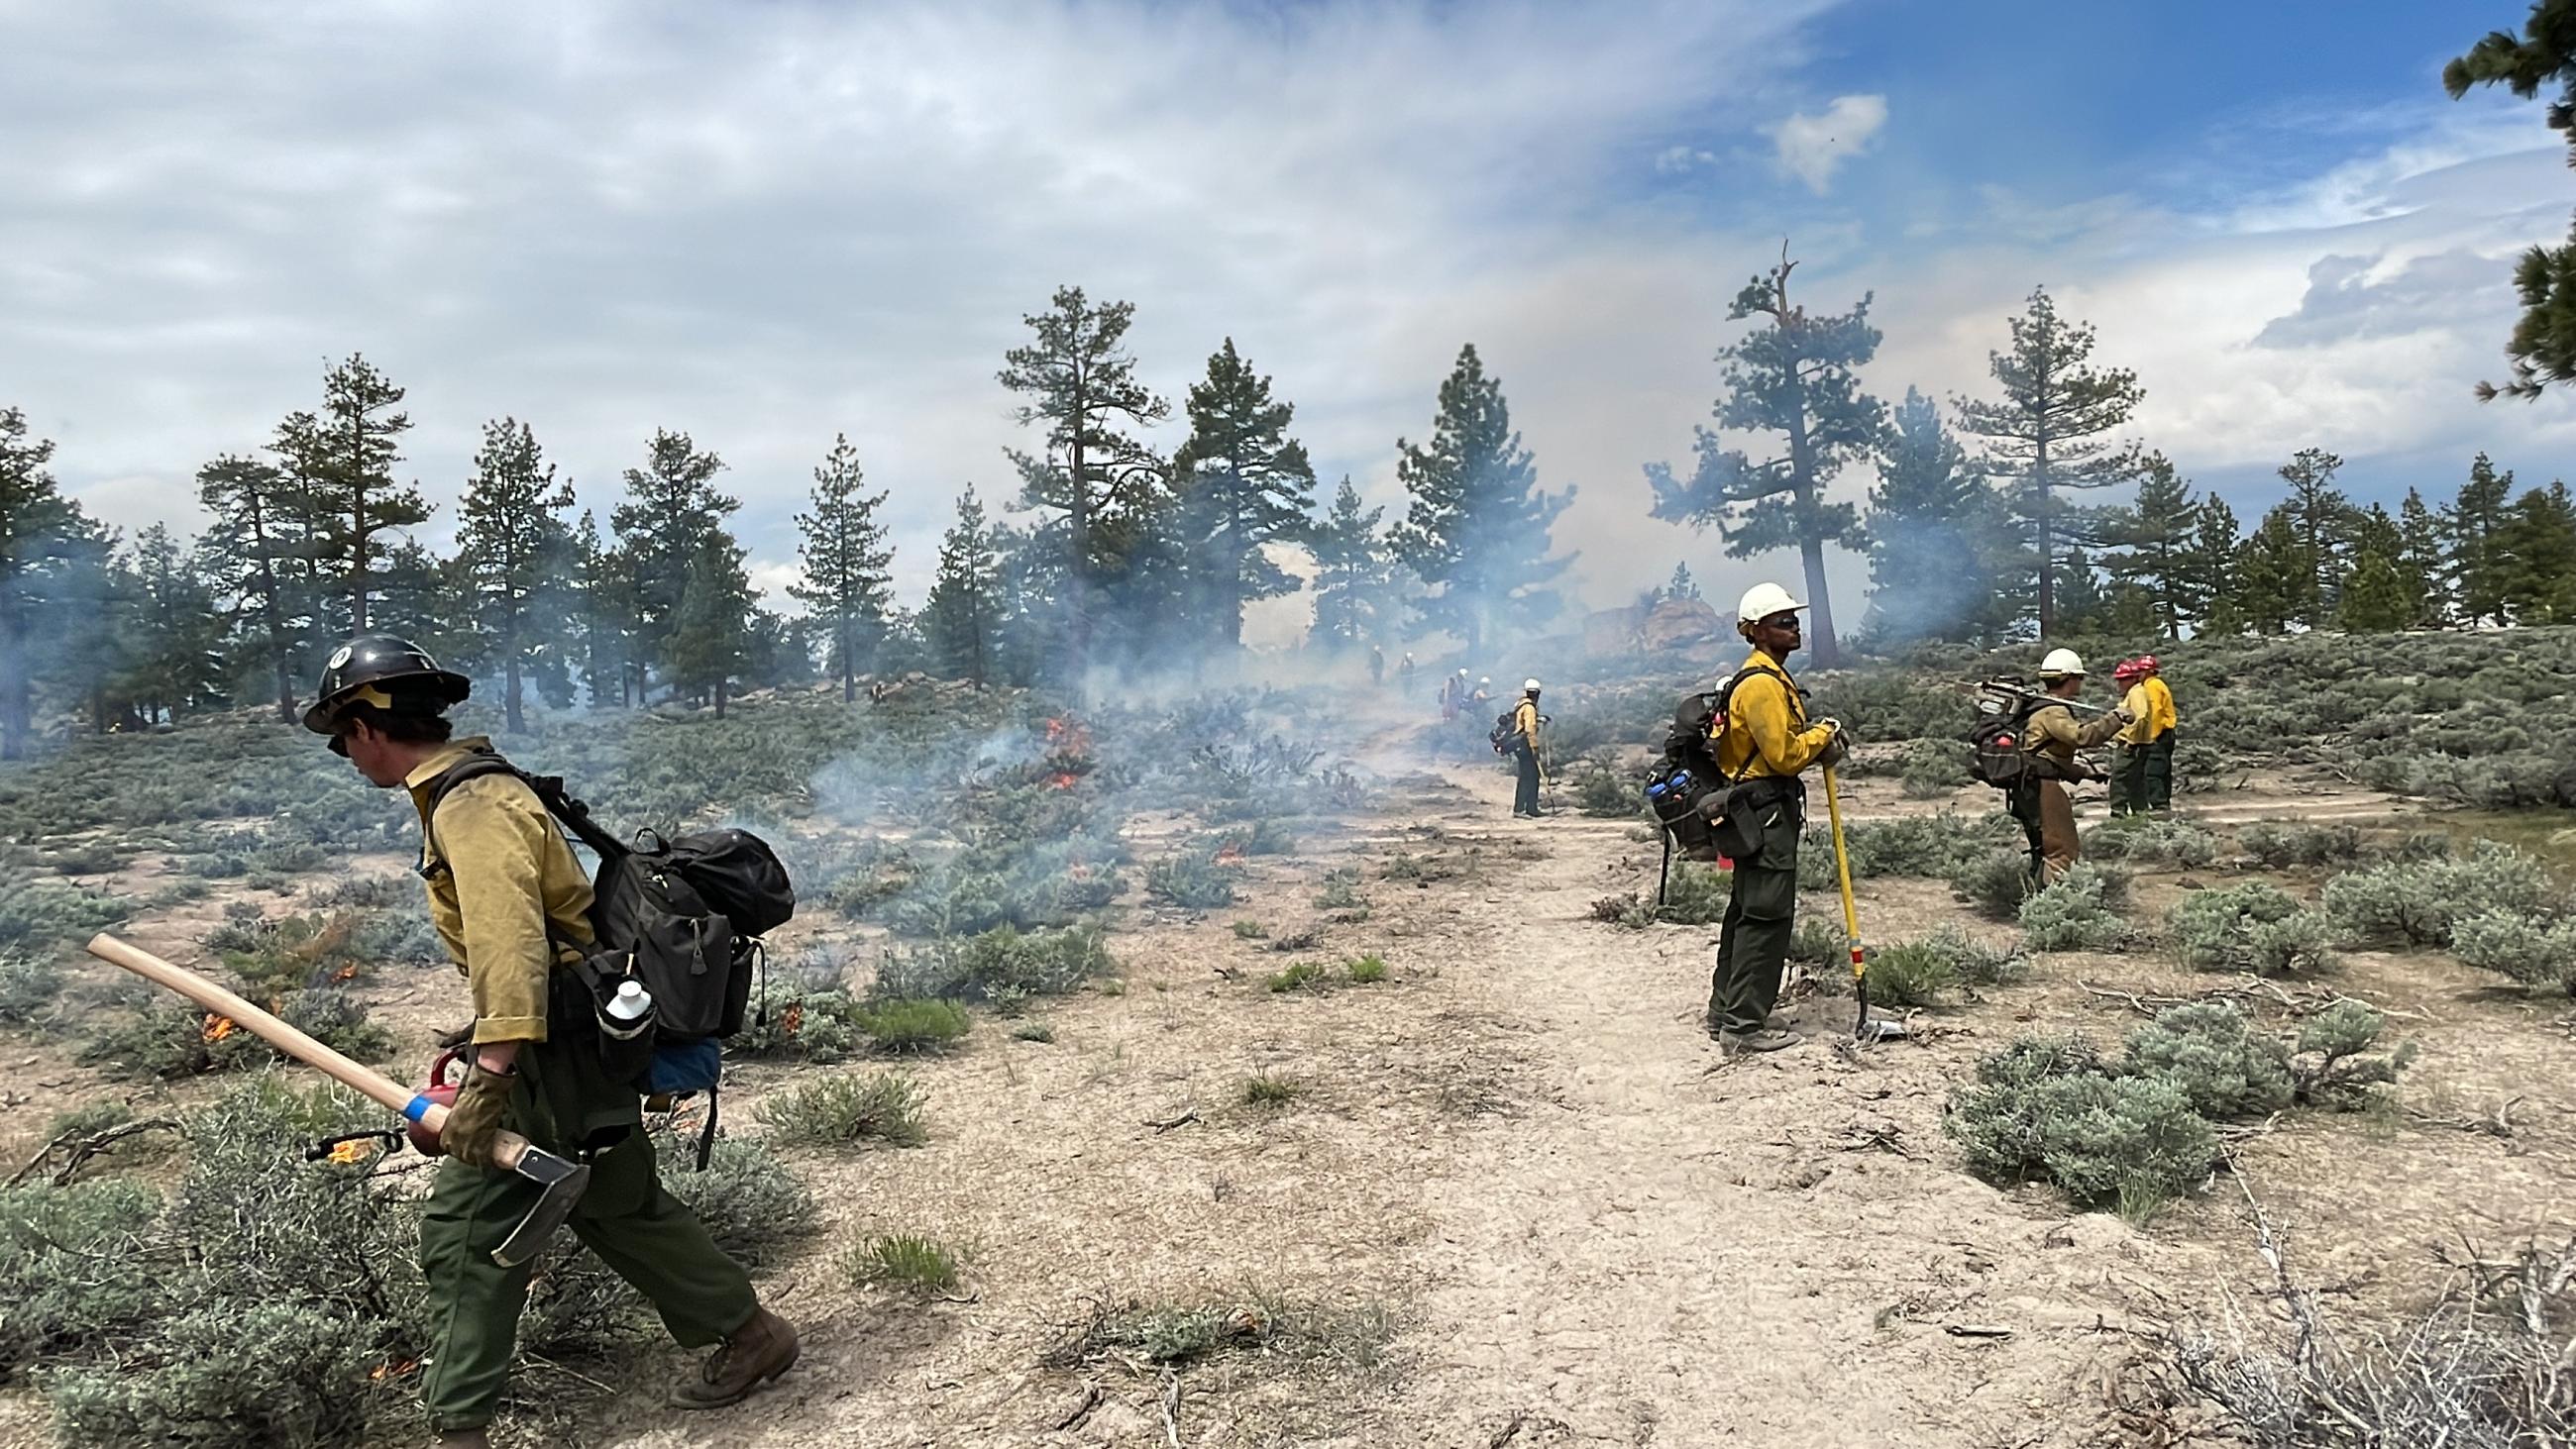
<point>1525,719</point>
<point>2152,705</point>
<point>1766,732</point>
<point>498,872</point>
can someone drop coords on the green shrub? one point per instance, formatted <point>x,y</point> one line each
<point>2044,1109</point>
<point>1695,894</point>
<point>1176,1333</point>
<point>1995,883</point>
<point>365,892</point>
<point>2283,846</point>
<point>2337,1063</point>
<point>28,984</point>
<point>845,1110</point>
<point>275,957</point>
<point>1933,767</point>
<point>1922,972</point>
<point>811,1022</point>
<point>1036,1031</point>
<point>2251,927</point>
<point>1002,967</point>
<point>73,1270</point>
<point>1365,970</point>
<point>2152,840</point>
<point>2525,947</point>
<point>1260,837</point>
<point>1936,845</point>
<point>2205,1049</point>
<point>46,915</point>
<point>1250,931</point>
<point>2414,902</point>
<point>1341,892</point>
<point>750,1199</point>
<point>903,1261</point>
<point>238,1372</point>
<point>1192,879</point>
<point>1264,1090</point>
<point>2075,912</point>
<point>1605,793</point>
<point>1301,976</point>
<point>902,1025</point>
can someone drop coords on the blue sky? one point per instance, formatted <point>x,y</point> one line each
<point>765,224</point>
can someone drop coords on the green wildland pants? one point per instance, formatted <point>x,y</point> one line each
<point>2129,778</point>
<point>1753,937</point>
<point>2159,773</point>
<point>626,1217</point>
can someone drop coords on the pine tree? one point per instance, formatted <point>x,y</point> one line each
<point>2151,543</point>
<point>712,640</point>
<point>1243,484</point>
<point>1797,376</point>
<point>2047,434</point>
<point>2082,606</point>
<point>2211,566</point>
<point>1937,538</point>
<point>42,536</point>
<point>963,615</point>
<point>2543,347</point>
<point>2421,562</point>
<point>1350,573</point>
<point>416,597</point>
<point>1476,529</point>
<point>89,608</point>
<point>1081,386</point>
<point>253,547</point>
<point>2375,600</point>
<point>2323,516</point>
<point>172,632</point>
<point>2473,521</point>
<point>671,513</point>
<point>2537,545</point>
<point>343,459</point>
<point>2273,573</point>
<point>846,579</point>
<point>608,625</point>
<point>514,555</point>
<point>1681,585</point>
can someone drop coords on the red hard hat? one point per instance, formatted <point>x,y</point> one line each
<point>2127,669</point>
<point>2147,664</point>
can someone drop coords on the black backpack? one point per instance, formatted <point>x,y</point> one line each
<point>1688,771</point>
<point>1995,748</point>
<point>1505,736</point>
<point>682,916</point>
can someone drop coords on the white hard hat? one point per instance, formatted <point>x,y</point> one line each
<point>1462,673</point>
<point>1488,679</point>
<point>1529,686</point>
<point>1762,601</point>
<point>2062,662</point>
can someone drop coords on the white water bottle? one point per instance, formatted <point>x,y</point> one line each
<point>629,1012</point>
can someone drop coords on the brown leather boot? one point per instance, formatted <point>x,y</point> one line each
<point>759,1351</point>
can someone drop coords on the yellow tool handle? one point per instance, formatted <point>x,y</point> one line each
<point>1842,873</point>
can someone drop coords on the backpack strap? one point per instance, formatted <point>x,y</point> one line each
<point>549,790</point>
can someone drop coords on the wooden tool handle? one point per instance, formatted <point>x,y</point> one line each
<point>365,1080</point>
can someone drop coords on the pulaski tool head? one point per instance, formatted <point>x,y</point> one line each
<point>561,1184</point>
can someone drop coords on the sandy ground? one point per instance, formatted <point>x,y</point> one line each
<point>1521,1199</point>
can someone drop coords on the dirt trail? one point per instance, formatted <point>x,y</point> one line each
<point>1681,1252</point>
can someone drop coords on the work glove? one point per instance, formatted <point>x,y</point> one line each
<point>1838,748</point>
<point>475,1119</point>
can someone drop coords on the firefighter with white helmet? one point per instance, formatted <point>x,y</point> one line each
<point>1526,724</point>
<point>1764,742</point>
<point>2052,733</point>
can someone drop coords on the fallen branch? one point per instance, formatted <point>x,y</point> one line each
<point>1171,1409</point>
<point>81,1149</point>
<point>1183,1120</point>
<point>1081,1410</point>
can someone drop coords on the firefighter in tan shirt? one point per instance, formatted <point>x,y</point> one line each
<point>2046,811</point>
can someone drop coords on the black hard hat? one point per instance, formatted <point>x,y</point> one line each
<point>389,673</point>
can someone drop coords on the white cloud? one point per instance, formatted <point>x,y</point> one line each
<point>1812,148</point>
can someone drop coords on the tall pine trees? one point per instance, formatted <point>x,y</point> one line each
<point>845,582</point>
<point>1939,549</point>
<point>1242,483</point>
<point>1352,597</point>
<point>515,558</point>
<point>43,537</point>
<point>254,545</point>
<point>672,514</point>
<point>2543,345</point>
<point>1797,375</point>
<point>961,623</point>
<point>2049,434</point>
<point>1476,528</point>
<point>2151,544</point>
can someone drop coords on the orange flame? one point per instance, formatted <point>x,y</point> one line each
<point>1077,871</point>
<point>346,973</point>
<point>384,1371</point>
<point>217,1028</point>
<point>1062,781</point>
<point>790,1019</point>
<point>1230,855</point>
<point>356,1149</point>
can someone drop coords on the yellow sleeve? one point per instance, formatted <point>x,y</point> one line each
<point>2166,717</point>
<point>1761,703</point>
<point>2141,705</point>
<point>1525,719</point>
<point>492,833</point>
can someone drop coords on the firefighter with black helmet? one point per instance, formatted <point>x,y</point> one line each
<point>511,906</point>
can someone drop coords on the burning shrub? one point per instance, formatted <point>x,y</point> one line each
<point>2205,1049</point>
<point>161,1037</point>
<point>2076,912</point>
<point>810,1022</point>
<point>1197,879</point>
<point>846,1110</point>
<point>2253,928</point>
<point>1002,967</point>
